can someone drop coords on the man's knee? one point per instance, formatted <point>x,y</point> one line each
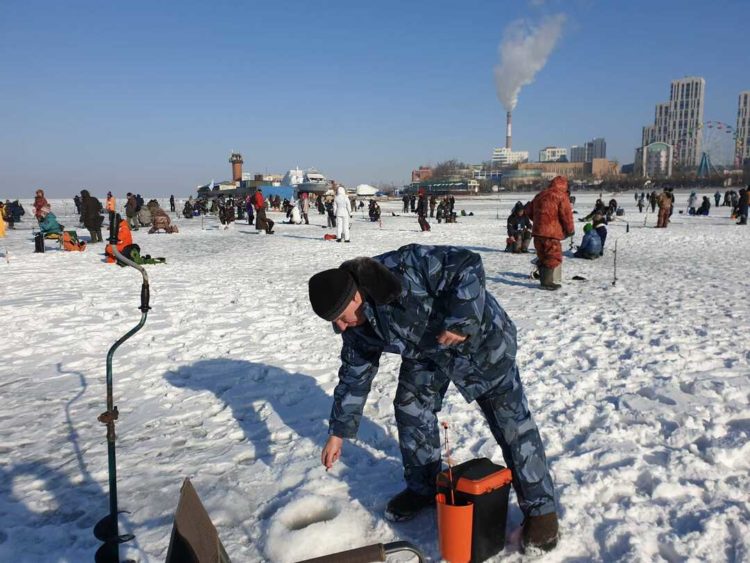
<point>414,405</point>
<point>505,404</point>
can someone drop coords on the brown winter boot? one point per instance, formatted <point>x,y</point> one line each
<point>540,532</point>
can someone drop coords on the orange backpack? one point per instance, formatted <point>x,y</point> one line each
<point>71,243</point>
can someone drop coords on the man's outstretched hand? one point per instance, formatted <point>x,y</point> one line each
<point>448,338</point>
<point>331,451</point>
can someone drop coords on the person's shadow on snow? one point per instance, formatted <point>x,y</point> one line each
<point>69,509</point>
<point>62,504</point>
<point>248,388</point>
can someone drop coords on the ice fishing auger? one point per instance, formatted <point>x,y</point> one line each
<point>106,529</point>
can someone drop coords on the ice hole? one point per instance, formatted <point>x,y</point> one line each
<point>309,514</point>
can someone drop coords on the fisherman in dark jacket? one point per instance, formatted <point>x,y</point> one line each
<point>600,226</point>
<point>705,207</point>
<point>131,211</point>
<point>91,215</point>
<point>599,209</point>
<point>17,211</point>
<point>519,230</point>
<point>742,205</point>
<point>422,212</point>
<point>429,305</point>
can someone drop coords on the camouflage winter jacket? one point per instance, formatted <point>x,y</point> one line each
<point>664,201</point>
<point>551,212</point>
<point>412,295</point>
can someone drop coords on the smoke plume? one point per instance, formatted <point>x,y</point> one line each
<point>523,52</point>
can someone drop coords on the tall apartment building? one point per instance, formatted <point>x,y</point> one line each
<point>661,123</point>
<point>648,135</point>
<point>596,148</point>
<point>552,154</point>
<point>578,154</point>
<point>685,120</point>
<point>679,122</point>
<point>743,128</point>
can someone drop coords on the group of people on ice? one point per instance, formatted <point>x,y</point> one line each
<point>732,198</point>
<point>91,215</point>
<point>426,207</point>
<point>548,219</point>
<point>140,215</point>
<point>337,208</point>
<point>11,213</point>
<point>665,201</point>
<point>737,200</point>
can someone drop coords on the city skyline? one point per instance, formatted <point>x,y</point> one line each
<point>148,98</point>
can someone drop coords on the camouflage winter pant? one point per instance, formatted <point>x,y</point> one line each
<point>419,397</point>
<point>548,252</point>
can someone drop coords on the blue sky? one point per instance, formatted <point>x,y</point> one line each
<point>152,96</point>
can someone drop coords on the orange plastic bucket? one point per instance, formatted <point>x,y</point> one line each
<point>454,529</point>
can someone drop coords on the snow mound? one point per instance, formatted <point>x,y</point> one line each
<point>315,525</point>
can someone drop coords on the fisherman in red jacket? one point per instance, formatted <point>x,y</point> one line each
<point>552,215</point>
<point>262,223</point>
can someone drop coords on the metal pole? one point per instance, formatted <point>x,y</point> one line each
<point>614,280</point>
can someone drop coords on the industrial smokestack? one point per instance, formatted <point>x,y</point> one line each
<point>508,141</point>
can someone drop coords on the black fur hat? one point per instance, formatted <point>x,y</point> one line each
<point>373,279</point>
<point>330,292</point>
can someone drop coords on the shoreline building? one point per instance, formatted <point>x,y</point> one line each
<point>742,146</point>
<point>654,160</point>
<point>553,154</point>
<point>421,174</point>
<point>529,173</point>
<point>598,168</point>
<point>679,122</point>
<point>504,156</point>
<point>241,184</point>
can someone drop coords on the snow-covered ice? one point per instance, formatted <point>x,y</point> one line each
<point>641,390</point>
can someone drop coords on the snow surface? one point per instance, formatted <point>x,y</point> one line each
<point>640,390</point>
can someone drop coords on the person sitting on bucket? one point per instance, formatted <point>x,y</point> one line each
<point>48,222</point>
<point>591,245</point>
<point>429,304</point>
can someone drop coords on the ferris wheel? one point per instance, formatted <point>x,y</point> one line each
<point>719,143</point>
<point>718,146</point>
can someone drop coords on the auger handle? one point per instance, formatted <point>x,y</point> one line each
<point>369,553</point>
<point>365,554</point>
